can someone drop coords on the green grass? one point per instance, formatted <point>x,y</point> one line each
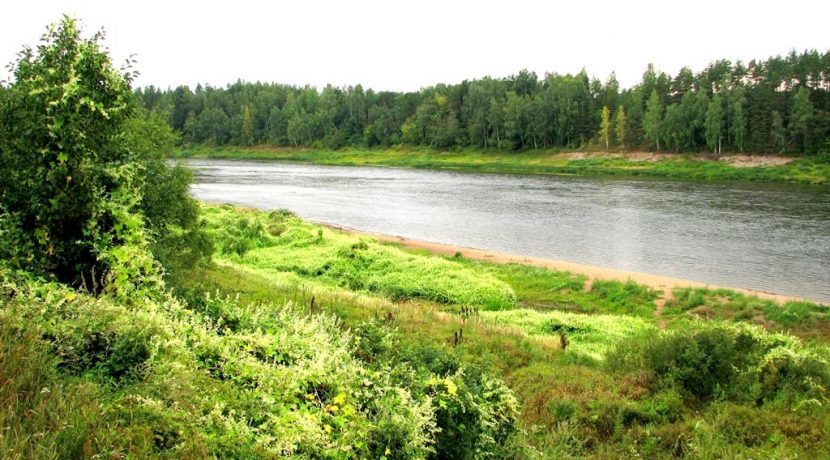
<point>805,170</point>
<point>544,289</point>
<point>93,378</point>
<point>805,319</point>
<point>285,244</point>
<point>590,336</point>
<point>572,402</point>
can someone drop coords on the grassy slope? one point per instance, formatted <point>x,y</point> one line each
<point>567,395</point>
<point>92,378</point>
<point>806,170</point>
<point>300,359</point>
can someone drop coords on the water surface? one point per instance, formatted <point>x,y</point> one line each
<point>769,237</point>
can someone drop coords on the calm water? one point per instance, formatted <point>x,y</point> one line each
<point>760,236</point>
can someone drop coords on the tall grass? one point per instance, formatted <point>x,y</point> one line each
<point>86,377</point>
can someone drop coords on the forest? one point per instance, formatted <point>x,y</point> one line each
<point>777,105</point>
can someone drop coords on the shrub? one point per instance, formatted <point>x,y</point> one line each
<point>733,362</point>
<point>71,183</point>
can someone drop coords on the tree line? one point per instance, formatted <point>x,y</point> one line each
<point>778,105</point>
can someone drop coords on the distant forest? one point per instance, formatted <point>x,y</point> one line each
<point>780,105</point>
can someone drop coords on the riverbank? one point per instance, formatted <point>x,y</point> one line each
<point>663,284</point>
<point>768,168</point>
<point>575,355</point>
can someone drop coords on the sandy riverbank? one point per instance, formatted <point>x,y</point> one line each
<point>657,282</point>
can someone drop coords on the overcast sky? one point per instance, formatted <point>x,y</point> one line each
<point>406,45</point>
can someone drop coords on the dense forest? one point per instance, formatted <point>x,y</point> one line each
<point>780,105</point>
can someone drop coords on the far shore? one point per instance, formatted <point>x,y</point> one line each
<point>698,167</point>
<point>657,282</point>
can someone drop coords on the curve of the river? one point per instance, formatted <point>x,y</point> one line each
<point>767,237</point>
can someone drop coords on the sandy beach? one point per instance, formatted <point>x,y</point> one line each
<point>657,282</point>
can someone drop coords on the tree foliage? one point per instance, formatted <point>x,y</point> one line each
<point>605,127</point>
<point>521,111</point>
<point>82,170</point>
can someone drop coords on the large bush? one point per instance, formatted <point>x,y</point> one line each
<point>731,362</point>
<point>81,169</point>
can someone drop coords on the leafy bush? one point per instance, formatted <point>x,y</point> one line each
<point>278,383</point>
<point>87,196</point>
<point>729,362</point>
<point>71,183</point>
<point>177,237</point>
<point>475,413</point>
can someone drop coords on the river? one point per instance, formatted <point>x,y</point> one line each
<point>760,236</point>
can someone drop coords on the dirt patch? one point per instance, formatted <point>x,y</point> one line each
<point>703,312</point>
<point>753,161</point>
<point>633,156</point>
<point>737,160</point>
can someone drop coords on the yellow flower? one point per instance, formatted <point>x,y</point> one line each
<point>452,388</point>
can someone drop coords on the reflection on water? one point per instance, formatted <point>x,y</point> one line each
<point>770,237</point>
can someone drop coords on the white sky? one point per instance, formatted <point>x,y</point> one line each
<point>406,45</point>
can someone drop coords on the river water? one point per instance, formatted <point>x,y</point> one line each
<point>769,237</point>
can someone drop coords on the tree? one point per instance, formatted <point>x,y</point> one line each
<point>88,195</point>
<point>620,127</point>
<point>801,116</point>
<point>605,128</point>
<point>247,131</point>
<point>738,125</point>
<point>652,119</point>
<point>714,125</point>
<point>71,179</point>
<point>777,132</point>
<point>673,128</point>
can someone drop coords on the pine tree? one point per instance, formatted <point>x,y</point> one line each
<point>778,134</point>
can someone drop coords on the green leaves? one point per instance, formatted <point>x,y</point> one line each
<point>77,188</point>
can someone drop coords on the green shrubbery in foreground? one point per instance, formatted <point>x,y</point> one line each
<point>86,376</point>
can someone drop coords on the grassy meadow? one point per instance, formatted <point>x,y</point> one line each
<point>808,170</point>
